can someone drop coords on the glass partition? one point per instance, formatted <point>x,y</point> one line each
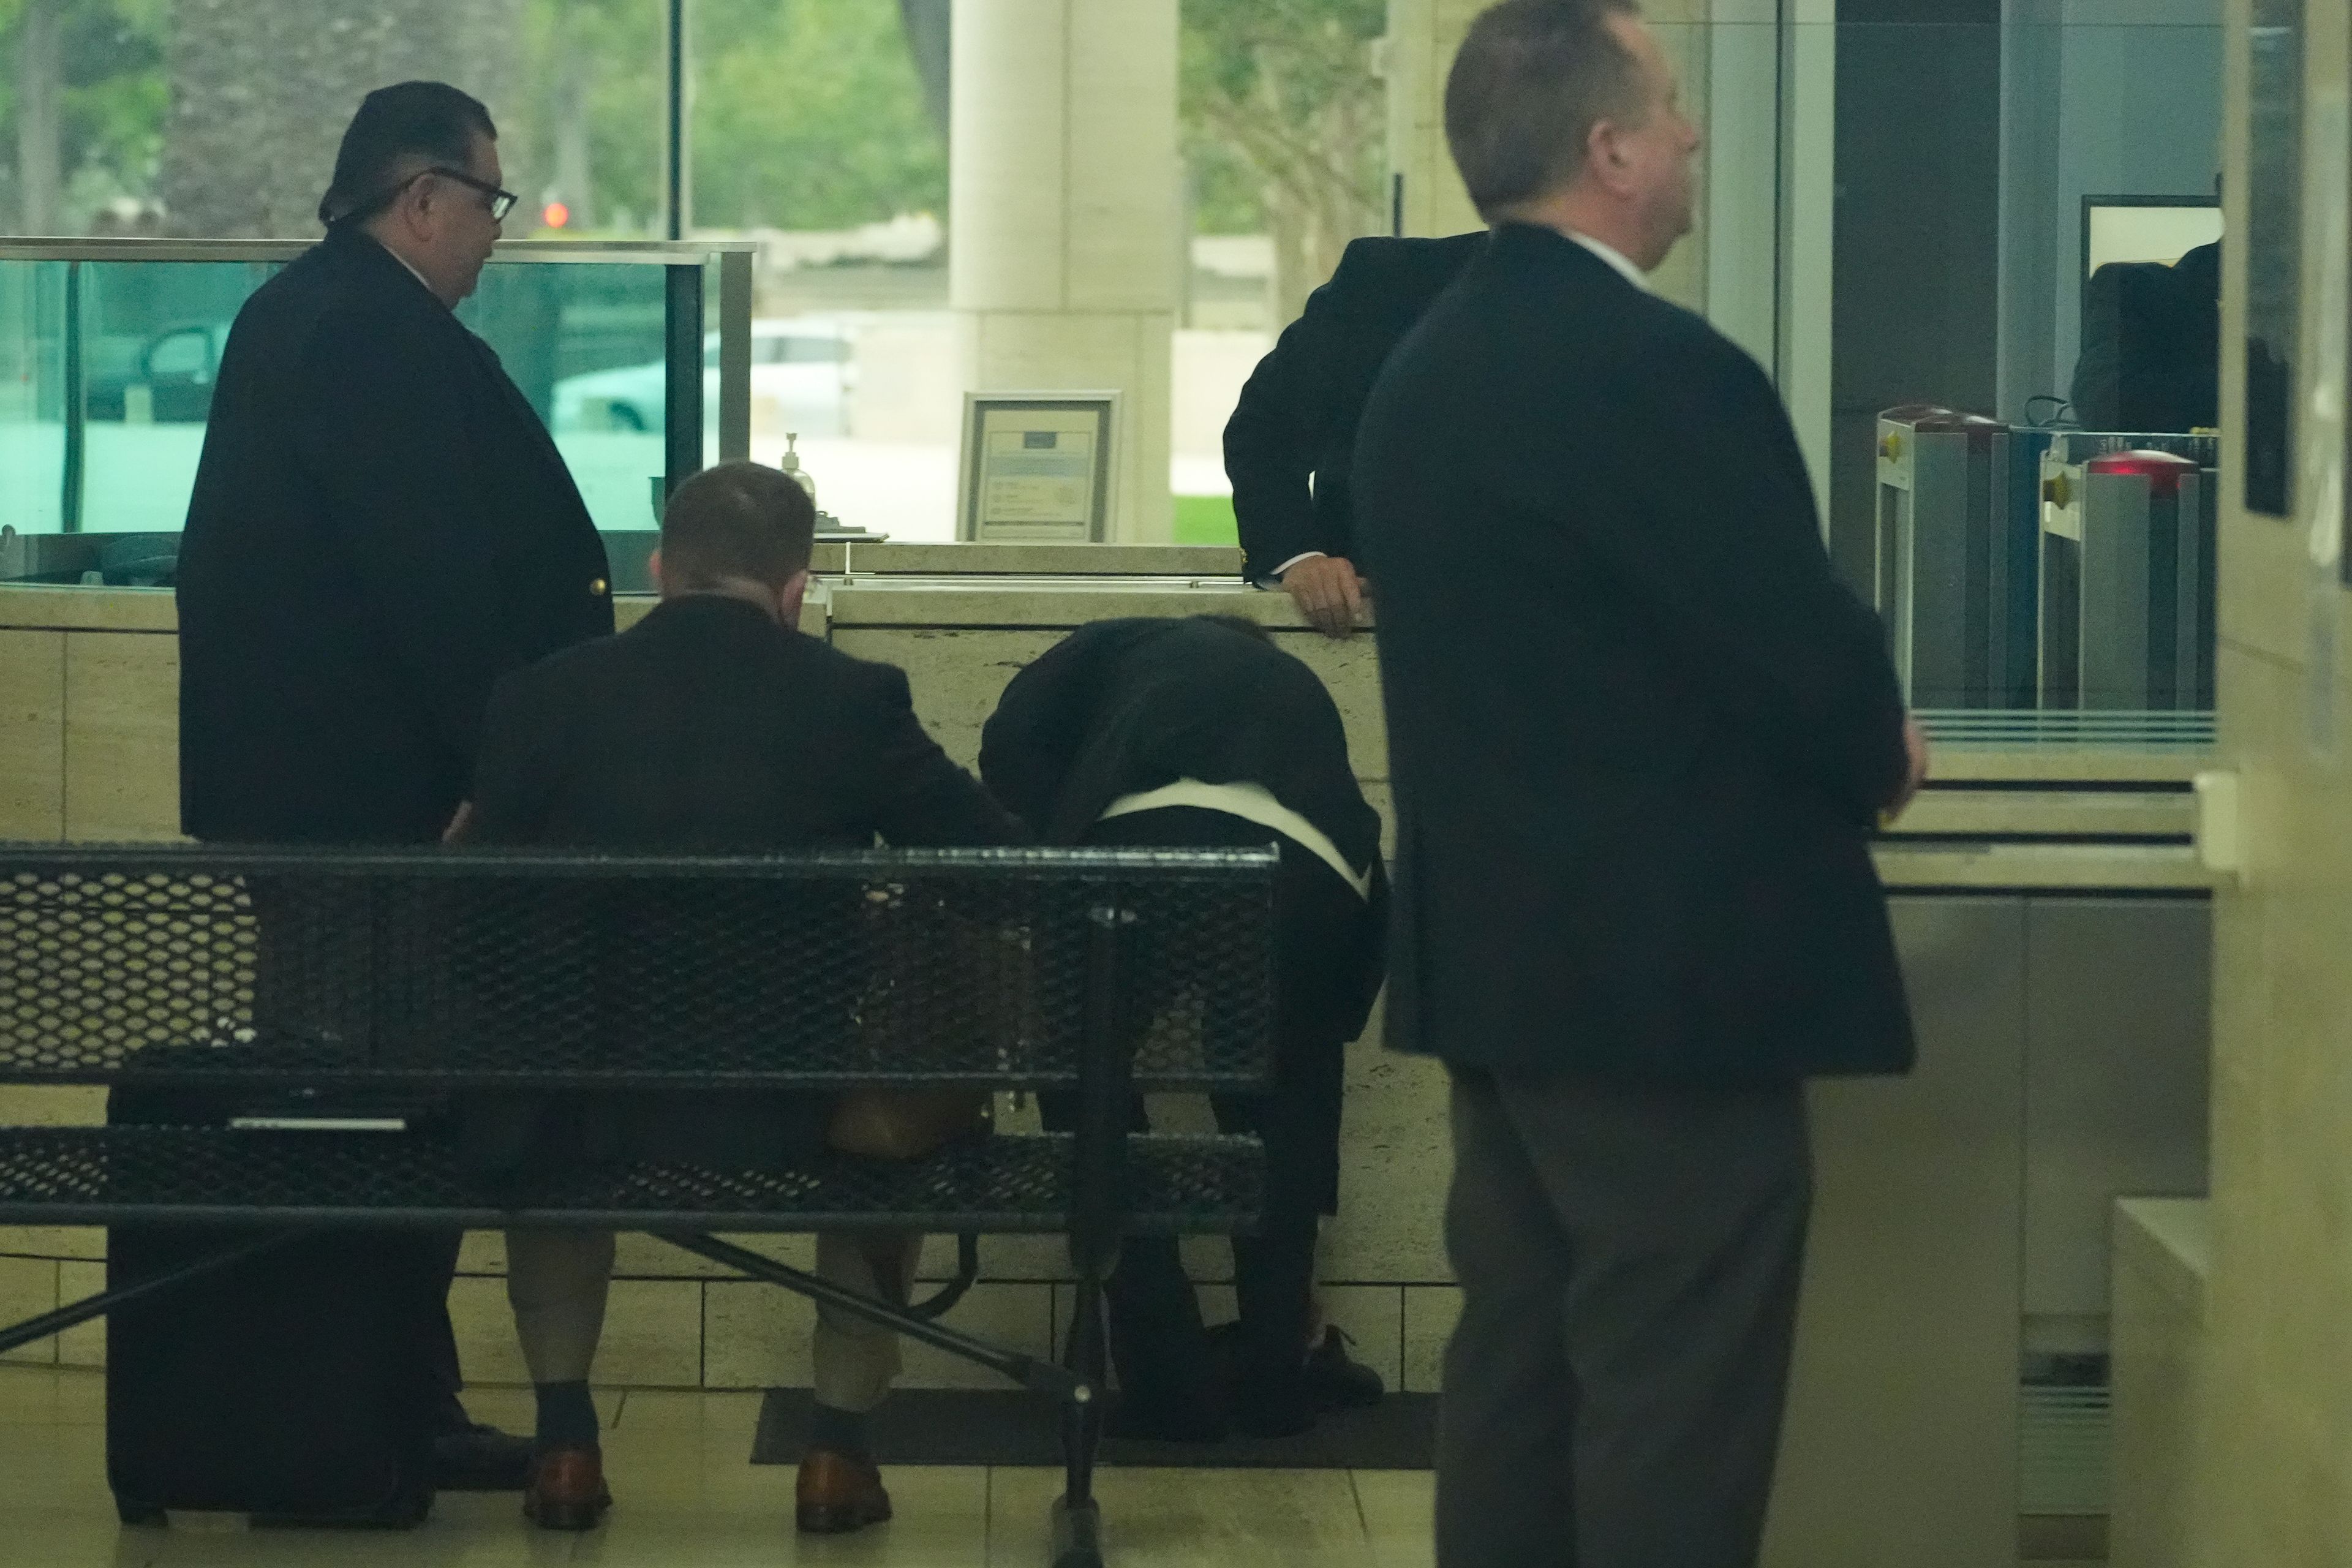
<point>108,350</point>
<point>2025,363</point>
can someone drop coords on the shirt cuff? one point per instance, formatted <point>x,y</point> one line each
<point>1302,555</point>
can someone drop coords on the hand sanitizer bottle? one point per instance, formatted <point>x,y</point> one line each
<point>791,464</point>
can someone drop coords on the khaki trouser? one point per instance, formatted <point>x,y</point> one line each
<point>557,1282</point>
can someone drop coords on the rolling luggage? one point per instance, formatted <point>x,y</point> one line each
<point>297,1386</point>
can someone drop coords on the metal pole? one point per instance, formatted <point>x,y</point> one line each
<point>1041,1376</point>
<point>682,405</point>
<point>97,1306</point>
<point>675,223</point>
<point>1098,1205</point>
<point>70,490</point>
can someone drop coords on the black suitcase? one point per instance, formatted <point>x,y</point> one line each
<point>297,1386</point>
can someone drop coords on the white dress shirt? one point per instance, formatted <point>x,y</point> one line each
<point>1251,803</point>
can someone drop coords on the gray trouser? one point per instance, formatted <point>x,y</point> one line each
<point>557,1282</point>
<point>1629,1264</point>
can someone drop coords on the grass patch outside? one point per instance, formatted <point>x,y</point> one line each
<point>1206,519</point>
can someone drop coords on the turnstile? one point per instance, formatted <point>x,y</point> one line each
<point>2127,573</point>
<point>1958,558</point>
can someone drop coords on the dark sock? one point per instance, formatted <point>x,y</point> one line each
<point>843,1431</point>
<point>567,1416</point>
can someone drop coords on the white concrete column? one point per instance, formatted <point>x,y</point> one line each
<point>1422,37</point>
<point>1065,216</point>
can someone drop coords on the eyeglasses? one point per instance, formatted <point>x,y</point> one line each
<point>501,201</point>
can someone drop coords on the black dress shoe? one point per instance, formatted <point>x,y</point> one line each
<point>1335,1381</point>
<point>481,1459</point>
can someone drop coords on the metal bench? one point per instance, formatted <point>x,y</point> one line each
<point>404,978</point>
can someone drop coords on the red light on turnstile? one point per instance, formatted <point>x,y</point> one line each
<point>2162,470</point>
<point>556,215</point>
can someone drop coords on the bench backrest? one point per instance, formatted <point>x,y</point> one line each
<point>168,963</point>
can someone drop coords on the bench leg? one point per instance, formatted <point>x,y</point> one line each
<point>1077,1535</point>
<point>105,1301</point>
<point>1078,1518</point>
<point>1040,1376</point>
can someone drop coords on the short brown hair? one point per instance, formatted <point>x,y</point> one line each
<point>1533,79</point>
<point>738,520</point>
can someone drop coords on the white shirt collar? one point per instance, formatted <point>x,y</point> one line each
<point>412,271</point>
<point>1615,257</point>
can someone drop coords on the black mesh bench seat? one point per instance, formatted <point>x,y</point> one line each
<point>481,968</point>
<point>312,985</point>
<point>1008,1184</point>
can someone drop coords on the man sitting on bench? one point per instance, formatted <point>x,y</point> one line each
<point>715,726</point>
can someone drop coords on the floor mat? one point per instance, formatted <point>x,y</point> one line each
<point>1008,1427</point>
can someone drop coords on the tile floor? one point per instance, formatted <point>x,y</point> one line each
<point>688,1494</point>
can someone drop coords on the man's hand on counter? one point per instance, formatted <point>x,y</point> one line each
<point>1329,593</point>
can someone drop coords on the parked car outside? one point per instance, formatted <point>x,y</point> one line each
<point>170,382</point>
<point>802,377</point>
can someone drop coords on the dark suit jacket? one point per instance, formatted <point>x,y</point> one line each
<point>1638,751</point>
<point>706,728</point>
<point>1124,706</point>
<point>381,527</point>
<point>1296,421</point>
<point>2151,355</point>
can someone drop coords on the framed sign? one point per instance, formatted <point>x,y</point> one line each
<point>1036,467</point>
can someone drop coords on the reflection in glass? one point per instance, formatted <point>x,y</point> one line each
<point>2026,335</point>
<point>2273,249</point>
<point>2151,355</point>
<point>560,328</point>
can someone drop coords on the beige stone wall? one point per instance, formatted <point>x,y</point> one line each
<point>2163,1259</point>
<point>2276,1477</point>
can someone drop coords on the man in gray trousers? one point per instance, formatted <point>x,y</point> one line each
<point>1638,755</point>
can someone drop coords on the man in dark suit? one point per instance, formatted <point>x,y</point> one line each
<point>379,527</point>
<point>1292,437</point>
<point>715,726</point>
<point>1639,756</point>
<point>1198,732</point>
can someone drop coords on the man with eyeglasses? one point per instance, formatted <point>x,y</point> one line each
<point>381,528</point>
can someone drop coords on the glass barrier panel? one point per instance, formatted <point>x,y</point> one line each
<point>107,365</point>
<point>584,343</point>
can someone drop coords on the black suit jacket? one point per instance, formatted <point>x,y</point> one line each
<point>706,728</point>
<point>1292,437</point>
<point>1639,753</point>
<point>380,528</point>
<point>1124,706</point>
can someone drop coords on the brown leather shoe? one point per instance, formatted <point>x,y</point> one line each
<point>567,1490</point>
<point>839,1494</point>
